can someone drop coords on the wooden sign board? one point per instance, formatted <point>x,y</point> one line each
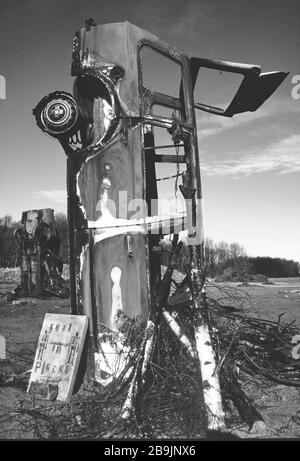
<point>57,356</point>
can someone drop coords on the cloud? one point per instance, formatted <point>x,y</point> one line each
<point>210,124</point>
<point>189,19</point>
<point>174,19</point>
<point>282,157</point>
<point>56,195</point>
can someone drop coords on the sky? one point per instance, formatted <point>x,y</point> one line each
<point>250,164</point>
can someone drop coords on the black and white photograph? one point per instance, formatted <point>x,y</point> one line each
<point>149,223</point>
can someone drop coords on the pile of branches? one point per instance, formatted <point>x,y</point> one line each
<point>258,346</point>
<point>255,345</point>
<point>263,349</point>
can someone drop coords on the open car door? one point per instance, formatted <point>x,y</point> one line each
<point>254,90</point>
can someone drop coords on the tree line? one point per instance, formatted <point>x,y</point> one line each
<point>219,256</point>
<point>222,258</point>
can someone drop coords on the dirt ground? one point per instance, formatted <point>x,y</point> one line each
<point>269,301</point>
<point>20,325</point>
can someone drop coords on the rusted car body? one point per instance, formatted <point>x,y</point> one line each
<point>107,131</point>
<point>39,252</point>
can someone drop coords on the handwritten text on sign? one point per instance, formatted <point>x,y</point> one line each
<point>57,356</point>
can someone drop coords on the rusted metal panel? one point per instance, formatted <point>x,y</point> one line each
<point>254,90</point>
<point>113,44</point>
<point>39,252</point>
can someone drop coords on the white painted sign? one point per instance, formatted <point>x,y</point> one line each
<point>57,356</point>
